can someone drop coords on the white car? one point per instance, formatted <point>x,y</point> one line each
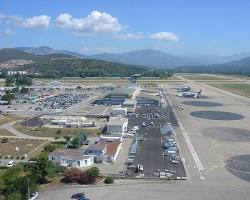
<point>11,163</point>
<point>140,168</point>
<point>33,196</point>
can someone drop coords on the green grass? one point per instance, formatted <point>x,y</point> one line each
<point>96,80</point>
<point>237,88</point>
<point>52,132</point>
<point>204,77</point>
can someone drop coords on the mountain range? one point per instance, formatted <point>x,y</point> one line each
<point>146,57</point>
<point>57,64</point>
<point>241,66</point>
<point>43,56</point>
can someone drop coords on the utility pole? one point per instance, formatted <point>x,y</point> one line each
<point>28,193</point>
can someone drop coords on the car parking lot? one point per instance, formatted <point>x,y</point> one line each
<point>154,151</point>
<point>40,101</point>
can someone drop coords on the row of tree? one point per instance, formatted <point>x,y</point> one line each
<point>18,81</point>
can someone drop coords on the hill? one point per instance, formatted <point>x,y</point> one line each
<point>48,50</point>
<point>58,65</point>
<point>241,66</point>
<point>146,57</point>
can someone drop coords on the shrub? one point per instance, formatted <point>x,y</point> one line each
<point>5,140</point>
<point>86,179</point>
<point>75,175</point>
<point>109,180</point>
<point>93,172</point>
<point>50,147</point>
<point>72,175</point>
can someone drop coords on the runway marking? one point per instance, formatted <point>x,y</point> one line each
<point>190,146</point>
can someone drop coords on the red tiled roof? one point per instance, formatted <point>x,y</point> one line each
<point>112,148</point>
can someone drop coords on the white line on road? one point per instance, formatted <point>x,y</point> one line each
<point>190,146</point>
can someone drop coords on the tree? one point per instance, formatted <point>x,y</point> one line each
<point>11,174</point>
<point>23,80</point>
<point>75,143</point>
<point>43,167</point>
<point>67,138</point>
<point>8,97</point>
<point>9,81</point>
<point>24,90</point>
<point>50,147</point>
<point>14,196</point>
<point>93,172</point>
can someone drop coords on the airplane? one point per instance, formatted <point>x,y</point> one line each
<point>183,89</point>
<point>190,94</point>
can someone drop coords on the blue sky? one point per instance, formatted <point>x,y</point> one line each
<point>93,26</point>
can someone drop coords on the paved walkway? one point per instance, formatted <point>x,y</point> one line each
<point>9,127</point>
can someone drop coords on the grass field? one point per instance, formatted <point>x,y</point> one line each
<point>52,132</point>
<point>97,80</point>
<point>205,77</point>
<point>8,118</point>
<point>5,132</point>
<point>26,146</point>
<point>238,88</point>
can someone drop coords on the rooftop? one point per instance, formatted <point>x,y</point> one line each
<point>70,153</point>
<point>117,121</point>
<point>149,96</point>
<point>129,102</point>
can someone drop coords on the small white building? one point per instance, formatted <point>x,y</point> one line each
<point>71,158</point>
<point>117,125</point>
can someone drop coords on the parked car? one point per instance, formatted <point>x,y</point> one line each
<point>168,145</point>
<point>11,163</point>
<point>140,168</point>
<point>33,196</point>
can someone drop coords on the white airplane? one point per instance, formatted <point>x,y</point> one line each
<point>190,94</point>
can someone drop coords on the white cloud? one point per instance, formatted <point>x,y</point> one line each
<point>41,21</point>
<point>2,16</point>
<point>86,49</point>
<point>167,36</point>
<point>127,36</point>
<point>95,22</point>
<point>8,31</point>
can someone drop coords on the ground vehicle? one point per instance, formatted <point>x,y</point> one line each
<point>151,123</point>
<point>11,163</point>
<point>175,159</point>
<point>143,124</point>
<point>140,168</point>
<point>33,196</point>
<point>168,145</point>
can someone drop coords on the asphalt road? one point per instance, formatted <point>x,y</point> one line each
<point>150,150</point>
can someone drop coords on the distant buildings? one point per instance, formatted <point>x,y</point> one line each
<point>10,73</point>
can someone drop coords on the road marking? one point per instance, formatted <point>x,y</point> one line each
<point>189,144</point>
